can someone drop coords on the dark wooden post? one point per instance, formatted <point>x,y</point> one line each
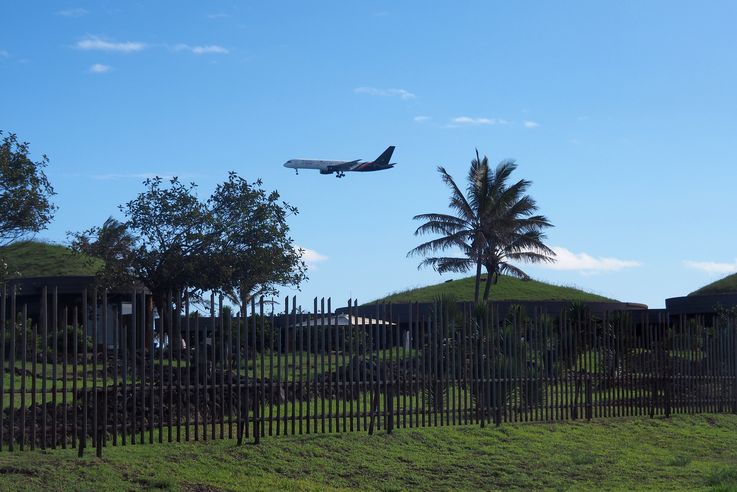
<point>389,407</point>
<point>589,398</point>
<point>257,418</point>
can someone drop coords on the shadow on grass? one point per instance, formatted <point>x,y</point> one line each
<point>158,483</point>
<point>722,479</point>
<point>582,458</point>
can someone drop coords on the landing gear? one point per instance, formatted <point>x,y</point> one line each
<point>340,174</point>
<point>296,171</point>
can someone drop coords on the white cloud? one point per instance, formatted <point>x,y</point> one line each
<point>163,175</point>
<point>531,124</point>
<point>421,119</point>
<point>712,267</point>
<point>373,91</point>
<point>312,257</point>
<point>217,16</point>
<point>470,121</point>
<point>203,50</point>
<point>587,264</point>
<point>94,43</point>
<point>75,12</point>
<point>100,68</point>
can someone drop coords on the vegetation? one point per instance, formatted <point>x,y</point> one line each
<point>506,289</point>
<point>237,242</point>
<point>683,453</point>
<point>721,286</point>
<point>25,192</point>
<point>25,195</point>
<point>113,244</point>
<point>495,224</point>
<point>39,259</point>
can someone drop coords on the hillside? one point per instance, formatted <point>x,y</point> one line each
<point>685,452</point>
<point>39,259</point>
<point>507,289</point>
<point>721,286</point>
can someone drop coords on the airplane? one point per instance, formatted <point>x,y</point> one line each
<point>341,167</point>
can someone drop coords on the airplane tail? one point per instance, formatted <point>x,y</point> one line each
<point>383,159</point>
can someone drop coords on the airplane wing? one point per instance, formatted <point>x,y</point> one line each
<point>346,166</point>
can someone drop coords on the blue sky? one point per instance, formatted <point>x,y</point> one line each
<point>623,114</point>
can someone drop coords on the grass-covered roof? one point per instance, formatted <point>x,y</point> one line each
<point>725,285</point>
<point>507,289</point>
<point>40,259</point>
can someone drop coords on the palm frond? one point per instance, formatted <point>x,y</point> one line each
<point>441,244</point>
<point>448,264</point>
<point>512,271</point>
<point>458,201</point>
<point>493,224</point>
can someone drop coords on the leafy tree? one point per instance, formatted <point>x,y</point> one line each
<point>236,242</point>
<point>25,193</point>
<point>252,250</point>
<point>493,224</point>
<point>112,243</point>
<point>171,230</point>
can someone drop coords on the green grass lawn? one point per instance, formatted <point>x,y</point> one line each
<point>685,452</point>
<point>507,289</point>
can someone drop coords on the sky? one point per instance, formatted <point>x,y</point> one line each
<point>623,114</point>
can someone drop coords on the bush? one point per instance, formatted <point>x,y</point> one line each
<point>69,333</point>
<point>33,335</point>
<point>19,329</point>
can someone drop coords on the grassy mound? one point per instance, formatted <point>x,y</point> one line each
<point>686,452</point>
<point>507,289</point>
<point>722,286</point>
<point>39,259</point>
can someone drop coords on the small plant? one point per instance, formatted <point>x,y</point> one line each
<point>679,460</point>
<point>166,483</point>
<point>582,458</point>
<point>723,478</point>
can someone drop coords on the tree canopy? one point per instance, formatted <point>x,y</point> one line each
<point>25,194</point>
<point>494,225</point>
<point>25,191</point>
<point>236,242</point>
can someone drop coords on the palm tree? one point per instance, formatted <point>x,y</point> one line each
<point>493,224</point>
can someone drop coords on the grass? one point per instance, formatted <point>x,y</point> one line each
<point>721,286</point>
<point>507,289</point>
<point>39,259</point>
<point>689,452</point>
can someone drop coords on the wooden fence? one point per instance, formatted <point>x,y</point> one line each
<point>95,369</point>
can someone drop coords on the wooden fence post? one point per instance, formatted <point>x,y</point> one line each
<point>257,417</point>
<point>389,407</point>
<point>589,398</point>
<point>731,331</point>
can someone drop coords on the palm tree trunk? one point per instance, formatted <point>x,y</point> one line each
<point>478,282</point>
<point>489,280</point>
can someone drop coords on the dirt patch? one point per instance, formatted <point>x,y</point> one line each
<point>199,488</point>
<point>14,470</point>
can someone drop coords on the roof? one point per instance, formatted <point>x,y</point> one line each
<point>404,312</point>
<point>701,303</point>
<point>724,285</point>
<point>506,289</point>
<point>341,320</point>
<point>28,259</point>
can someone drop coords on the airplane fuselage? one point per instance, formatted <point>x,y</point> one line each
<point>341,167</point>
<point>312,164</point>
